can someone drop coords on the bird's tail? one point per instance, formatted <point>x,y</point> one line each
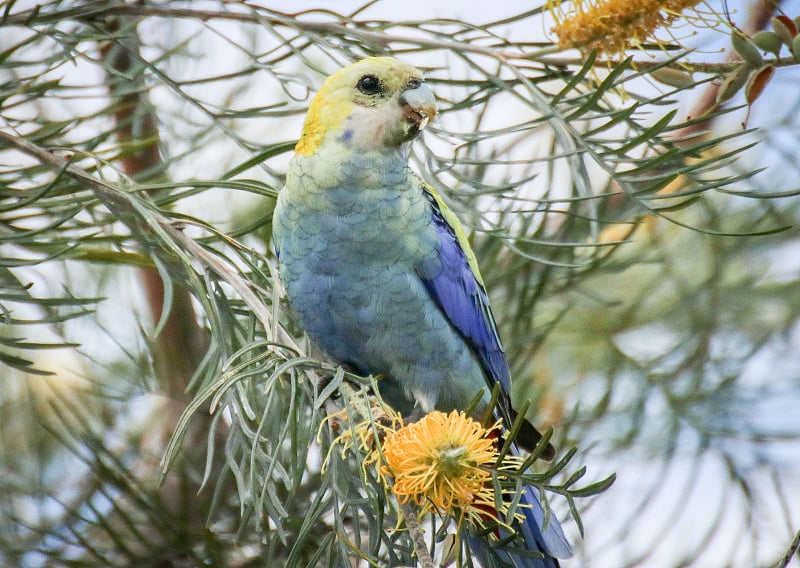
<point>548,541</point>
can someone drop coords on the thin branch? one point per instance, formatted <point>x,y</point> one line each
<point>261,17</point>
<point>760,13</point>
<point>181,343</point>
<point>793,549</point>
<point>417,535</point>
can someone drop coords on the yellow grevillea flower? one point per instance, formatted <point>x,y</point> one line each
<point>612,26</point>
<point>443,464</point>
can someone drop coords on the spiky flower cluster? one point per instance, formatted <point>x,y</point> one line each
<point>440,462</point>
<point>443,463</point>
<point>612,26</point>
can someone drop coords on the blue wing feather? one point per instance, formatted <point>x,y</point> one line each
<point>458,291</point>
<point>455,285</point>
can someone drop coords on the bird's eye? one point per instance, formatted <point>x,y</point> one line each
<point>414,83</point>
<point>369,85</point>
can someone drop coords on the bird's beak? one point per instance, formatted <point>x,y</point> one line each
<point>419,105</point>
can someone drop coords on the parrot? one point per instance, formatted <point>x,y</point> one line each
<point>380,272</point>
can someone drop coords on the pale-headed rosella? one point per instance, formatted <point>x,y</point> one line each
<point>380,272</point>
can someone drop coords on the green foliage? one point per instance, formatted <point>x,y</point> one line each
<point>160,407</point>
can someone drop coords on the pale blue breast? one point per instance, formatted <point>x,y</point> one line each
<point>351,255</point>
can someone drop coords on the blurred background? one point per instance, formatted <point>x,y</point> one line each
<point>634,214</point>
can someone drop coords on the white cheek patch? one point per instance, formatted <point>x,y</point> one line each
<point>370,127</point>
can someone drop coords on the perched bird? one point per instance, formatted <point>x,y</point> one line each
<point>380,272</point>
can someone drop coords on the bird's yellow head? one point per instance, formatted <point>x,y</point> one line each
<point>377,102</point>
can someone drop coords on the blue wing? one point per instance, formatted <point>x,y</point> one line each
<point>458,291</point>
<point>457,288</point>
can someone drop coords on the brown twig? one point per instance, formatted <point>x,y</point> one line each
<point>760,13</point>
<point>417,535</point>
<point>181,343</point>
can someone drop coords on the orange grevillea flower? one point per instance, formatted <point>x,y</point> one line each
<point>612,26</point>
<point>443,463</point>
